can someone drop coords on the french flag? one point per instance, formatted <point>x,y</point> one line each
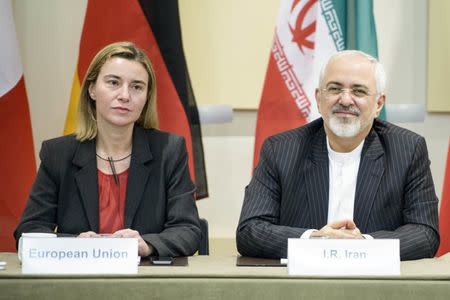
<point>17,162</point>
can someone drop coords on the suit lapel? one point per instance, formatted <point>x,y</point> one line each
<point>370,171</point>
<point>317,180</point>
<point>86,180</point>
<point>138,174</point>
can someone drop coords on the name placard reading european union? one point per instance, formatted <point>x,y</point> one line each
<point>325,257</point>
<point>79,255</point>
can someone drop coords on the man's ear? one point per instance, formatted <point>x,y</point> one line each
<point>316,94</point>
<point>380,103</point>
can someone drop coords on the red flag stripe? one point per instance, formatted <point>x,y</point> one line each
<point>277,111</point>
<point>17,163</point>
<point>444,215</point>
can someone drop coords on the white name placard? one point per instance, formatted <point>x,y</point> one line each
<point>103,255</point>
<point>325,257</point>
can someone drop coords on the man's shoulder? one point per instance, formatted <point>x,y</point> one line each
<point>391,132</point>
<point>299,134</point>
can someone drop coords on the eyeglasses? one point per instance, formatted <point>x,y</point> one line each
<point>357,93</point>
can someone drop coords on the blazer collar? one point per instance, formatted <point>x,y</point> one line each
<point>86,180</point>
<point>371,169</point>
<point>139,173</point>
<point>84,154</point>
<point>141,148</point>
<point>317,179</point>
<point>319,151</point>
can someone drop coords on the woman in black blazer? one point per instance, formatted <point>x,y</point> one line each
<point>117,174</point>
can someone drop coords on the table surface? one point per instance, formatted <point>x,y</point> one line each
<point>225,267</point>
<point>216,277</point>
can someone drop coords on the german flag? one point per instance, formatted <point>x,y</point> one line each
<point>154,26</point>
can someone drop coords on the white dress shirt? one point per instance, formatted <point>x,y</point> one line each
<point>343,173</point>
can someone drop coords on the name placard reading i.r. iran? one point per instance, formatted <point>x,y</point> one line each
<point>336,257</point>
<point>79,255</point>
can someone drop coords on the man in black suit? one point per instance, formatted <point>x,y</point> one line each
<point>345,175</point>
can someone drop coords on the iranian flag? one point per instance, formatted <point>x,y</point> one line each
<point>17,163</point>
<point>307,33</point>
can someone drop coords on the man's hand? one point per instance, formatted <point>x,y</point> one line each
<point>144,249</point>
<point>345,229</point>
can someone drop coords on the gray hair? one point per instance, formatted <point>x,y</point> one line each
<point>378,70</point>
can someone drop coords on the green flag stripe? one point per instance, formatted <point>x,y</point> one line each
<point>356,22</point>
<point>334,23</point>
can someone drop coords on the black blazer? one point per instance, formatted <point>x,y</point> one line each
<point>288,193</point>
<point>159,199</point>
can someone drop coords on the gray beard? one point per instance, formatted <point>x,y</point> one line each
<point>345,127</point>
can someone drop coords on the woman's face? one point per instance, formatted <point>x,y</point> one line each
<point>120,92</point>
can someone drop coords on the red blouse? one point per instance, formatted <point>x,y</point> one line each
<point>111,201</point>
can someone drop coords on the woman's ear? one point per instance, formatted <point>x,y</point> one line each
<point>91,91</point>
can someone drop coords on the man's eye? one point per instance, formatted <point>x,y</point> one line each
<point>334,90</point>
<point>359,92</point>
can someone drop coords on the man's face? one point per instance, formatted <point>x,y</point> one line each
<point>351,112</point>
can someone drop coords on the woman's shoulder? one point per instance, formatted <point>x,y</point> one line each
<point>159,142</point>
<point>62,142</point>
<point>59,150</point>
<point>159,136</point>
